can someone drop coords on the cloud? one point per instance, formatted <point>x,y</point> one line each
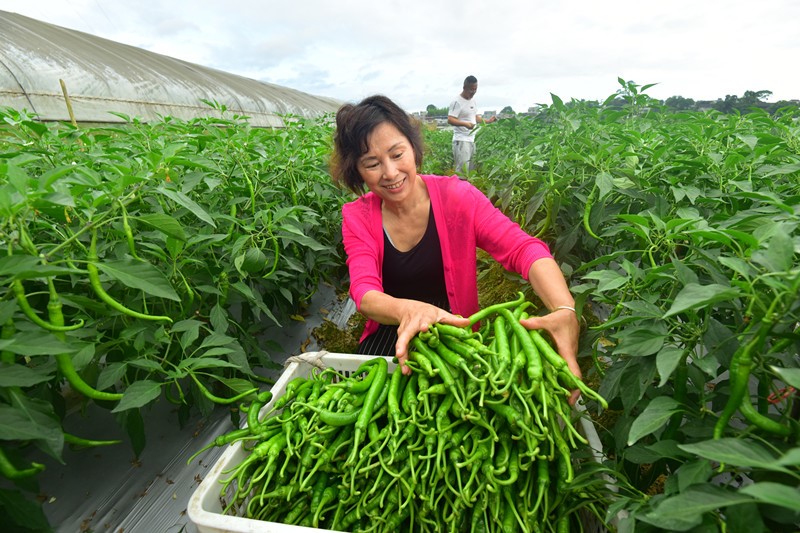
<point>418,52</point>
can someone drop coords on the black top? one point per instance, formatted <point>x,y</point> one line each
<point>417,274</point>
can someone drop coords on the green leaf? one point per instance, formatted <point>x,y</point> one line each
<point>774,494</point>
<point>642,340</point>
<point>163,223</point>
<point>189,324</point>
<point>768,197</point>
<point>292,233</point>
<point>216,339</point>
<point>190,329</point>
<point>666,449</point>
<point>693,473</point>
<point>790,458</point>
<point>111,374</point>
<point>695,296</point>
<point>84,356</point>
<point>237,385</point>
<point>188,203</point>
<point>133,422</point>
<point>736,452</point>
<point>50,176</point>
<point>196,363</point>
<point>145,364</point>
<point>30,267</point>
<point>219,319</point>
<point>744,518</point>
<point>789,375</point>
<point>7,310</point>
<point>40,413</point>
<point>254,298</point>
<point>21,514</point>
<point>654,416</point>
<point>642,309</point>
<point>140,275</point>
<point>11,265</point>
<point>636,382</point>
<point>700,236</point>
<point>216,352</point>
<point>667,361</point>
<point>745,269</point>
<point>685,510</point>
<point>779,255</point>
<point>605,184</point>
<point>23,376</point>
<point>607,279</point>
<point>18,178</point>
<point>138,394</point>
<point>15,424</point>
<point>32,343</point>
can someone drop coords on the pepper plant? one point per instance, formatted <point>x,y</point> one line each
<point>143,263</point>
<point>679,233</point>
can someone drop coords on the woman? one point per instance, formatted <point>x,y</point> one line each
<point>411,241</point>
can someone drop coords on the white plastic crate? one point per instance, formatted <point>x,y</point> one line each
<point>205,507</point>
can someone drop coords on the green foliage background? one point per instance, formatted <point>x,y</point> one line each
<point>678,233</point>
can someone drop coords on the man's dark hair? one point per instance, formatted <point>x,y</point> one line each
<point>354,124</point>
<point>469,80</point>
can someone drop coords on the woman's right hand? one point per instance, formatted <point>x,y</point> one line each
<point>419,316</point>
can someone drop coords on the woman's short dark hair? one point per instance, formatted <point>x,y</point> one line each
<point>354,124</point>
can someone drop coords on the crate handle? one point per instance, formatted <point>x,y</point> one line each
<point>311,358</point>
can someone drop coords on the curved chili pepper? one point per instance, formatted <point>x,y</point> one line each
<point>587,212</point>
<point>64,361</point>
<point>97,286</point>
<point>739,371</point>
<point>9,471</point>
<point>22,301</point>
<point>492,309</point>
<point>217,399</point>
<point>87,443</point>
<point>126,227</point>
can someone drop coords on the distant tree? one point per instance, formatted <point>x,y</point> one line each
<point>679,103</point>
<point>507,110</point>
<point>727,105</point>
<point>437,111</point>
<point>757,96</point>
<point>753,99</point>
<point>743,104</point>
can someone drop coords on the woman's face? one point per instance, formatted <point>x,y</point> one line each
<point>389,167</point>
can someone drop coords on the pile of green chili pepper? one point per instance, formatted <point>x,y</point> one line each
<point>480,437</point>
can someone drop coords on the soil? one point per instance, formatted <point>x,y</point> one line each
<point>495,284</point>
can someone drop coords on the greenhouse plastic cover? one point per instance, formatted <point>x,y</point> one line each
<point>102,76</point>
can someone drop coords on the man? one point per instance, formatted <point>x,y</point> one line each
<point>463,116</point>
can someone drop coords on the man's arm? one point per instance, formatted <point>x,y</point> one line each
<point>453,121</point>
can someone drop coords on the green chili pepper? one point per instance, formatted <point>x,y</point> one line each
<point>739,372</point>
<point>492,309</point>
<point>94,281</point>
<point>22,301</point>
<point>64,360</point>
<point>128,231</point>
<point>254,409</point>
<point>217,399</point>
<point>88,443</point>
<point>9,471</point>
<point>587,212</point>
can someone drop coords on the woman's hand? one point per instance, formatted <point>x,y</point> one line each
<point>564,329</point>
<point>416,317</point>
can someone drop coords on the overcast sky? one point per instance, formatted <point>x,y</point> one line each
<point>418,51</point>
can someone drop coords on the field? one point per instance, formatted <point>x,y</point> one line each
<point>142,262</point>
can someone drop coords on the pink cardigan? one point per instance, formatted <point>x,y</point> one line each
<point>465,220</point>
